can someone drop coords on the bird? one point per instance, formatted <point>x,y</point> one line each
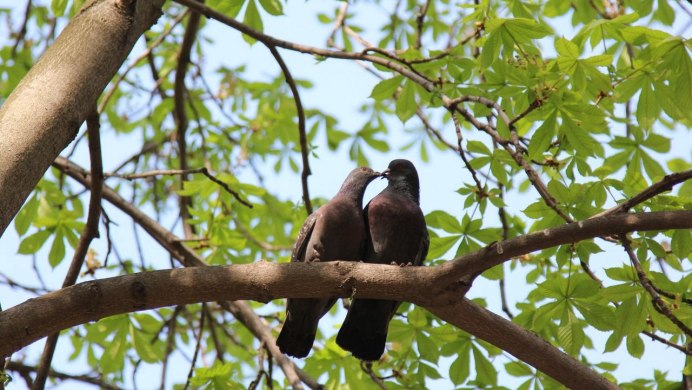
<point>397,233</point>
<point>335,231</point>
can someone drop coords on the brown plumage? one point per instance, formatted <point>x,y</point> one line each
<point>397,233</point>
<point>336,231</point>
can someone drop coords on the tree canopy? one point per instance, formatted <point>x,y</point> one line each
<point>142,142</point>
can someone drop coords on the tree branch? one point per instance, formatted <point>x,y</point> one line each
<point>521,343</point>
<point>180,115</point>
<point>656,299</point>
<point>663,185</point>
<point>24,370</point>
<point>90,232</point>
<point>301,126</point>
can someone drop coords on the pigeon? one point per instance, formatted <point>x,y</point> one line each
<point>397,234</point>
<point>336,231</point>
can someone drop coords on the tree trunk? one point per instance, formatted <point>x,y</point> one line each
<point>42,115</point>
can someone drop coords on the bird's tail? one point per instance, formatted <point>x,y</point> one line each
<point>364,332</point>
<point>299,330</point>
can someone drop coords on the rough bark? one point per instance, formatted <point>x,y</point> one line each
<point>42,115</point>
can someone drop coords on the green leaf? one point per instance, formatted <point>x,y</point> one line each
<point>252,19</point>
<point>460,369</point>
<point>566,49</point>
<point>34,242</point>
<point>143,345</point>
<point>647,108</point>
<point>442,220</point>
<point>521,29</point>
<point>494,273</point>
<point>57,251</point>
<point>658,143</point>
<point>386,88</point>
<point>619,292</point>
<point>417,318</point>
<point>652,167</point>
<point>490,50</point>
<point>406,103</point>
<point>478,147</point>
<point>599,60</point>
<point>580,140</point>
<point>427,349</point>
<point>601,317</point>
<point>635,346</point>
<point>485,372</point>
<point>681,243</point>
<point>273,7</point>
<point>613,342</point>
<point>441,245</point>
<point>518,369</point>
<point>58,7</point>
<point>26,215</point>
<point>541,139</point>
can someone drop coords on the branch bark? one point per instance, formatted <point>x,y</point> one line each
<point>42,115</point>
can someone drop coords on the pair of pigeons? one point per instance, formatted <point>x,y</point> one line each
<point>391,229</point>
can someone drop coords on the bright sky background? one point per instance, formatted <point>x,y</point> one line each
<point>340,87</point>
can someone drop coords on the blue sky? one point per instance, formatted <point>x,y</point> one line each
<point>340,87</point>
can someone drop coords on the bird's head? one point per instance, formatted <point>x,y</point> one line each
<point>357,181</point>
<point>403,177</point>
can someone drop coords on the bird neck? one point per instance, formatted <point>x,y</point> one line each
<point>407,188</point>
<point>351,194</point>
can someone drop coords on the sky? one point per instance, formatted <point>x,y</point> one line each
<point>340,89</point>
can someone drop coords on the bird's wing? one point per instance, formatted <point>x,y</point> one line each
<point>423,247</point>
<point>301,244</point>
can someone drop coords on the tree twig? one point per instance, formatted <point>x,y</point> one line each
<point>301,126</point>
<point>420,21</point>
<point>21,34</point>
<point>656,299</point>
<point>663,185</point>
<point>462,154</point>
<point>197,347</point>
<point>25,370</point>
<point>145,54</point>
<point>203,170</point>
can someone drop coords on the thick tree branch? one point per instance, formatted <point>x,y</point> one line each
<point>499,252</point>
<point>66,81</point>
<point>521,343</point>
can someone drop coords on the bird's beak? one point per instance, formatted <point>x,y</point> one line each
<point>385,173</point>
